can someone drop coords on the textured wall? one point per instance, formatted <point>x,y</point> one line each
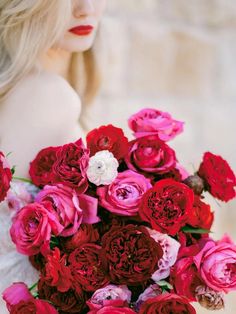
<point>178,56</point>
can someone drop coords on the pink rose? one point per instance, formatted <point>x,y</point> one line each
<point>150,154</point>
<point>113,310</point>
<point>18,196</point>
<point>32,228</point>
<point>5,176</point>
<point>155,122</point>
<point>216,263</point>
<point>17,292</point>
<point>151,292</point>
<point>110,295</point>
<point>124,194</point>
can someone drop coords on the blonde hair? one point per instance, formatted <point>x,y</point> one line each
<point>27,30</point>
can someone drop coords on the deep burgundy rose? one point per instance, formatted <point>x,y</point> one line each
<point>219,178</point>
<point>167,303</point>
<point>150,154</point>
<point>201,216</point>
<point>86,234</point>
<point>113,310</point>
<point>5,177</point>
<point>108,138</point>
<point>86,267</point>
<point>130,255</point>
<point>73,301</point>
<point>167,206</point>
<point>56,273</point>
<point>71,165</point>
<point>40,169</point>
<point>33,307</point>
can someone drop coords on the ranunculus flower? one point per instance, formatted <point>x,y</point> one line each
<point>170,249</point>
<point>68,207</point>
<point>167,303</point>
<point>151,292</point>
<point>85,234</point>
<point>201,216</point>
<point>56,273</point>
<point>71,165</point>
<point>167,206</point>
<point>110,295</point>
<point>108,138</point>
<point>155,122</point>
<point>73,301</point>
<point>219,178</point>
<point>86,267</point>
<point>150,154</point>
<point>102,168</point>
<point>32,228</point>
<point>113,310</point>
<point>216,263</point>
<point>41,167</point>
<point>124,194</point>
<point>130,256</point>
<point>5,177</point>
<point>33,307</point>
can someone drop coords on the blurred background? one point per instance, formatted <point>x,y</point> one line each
<point>177,56</point>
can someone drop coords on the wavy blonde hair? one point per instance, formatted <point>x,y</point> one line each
<point>22,23</point>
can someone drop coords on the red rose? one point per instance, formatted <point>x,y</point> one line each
<point>150,154</point>
<point>130,255</point>
<point>85,264</point>
<point>167,303</point>
<point>219,178</point>
<point>5,177</point>
<point>113,310</point>
<point>73,301</point>
<point>167,206</point>
<point>108,138</point>
<point>85,234</point>
<point>33,307</point>
<point>201,216</point>
<point>40,169</point>
<point>71,165</point>
<point>56,273</point>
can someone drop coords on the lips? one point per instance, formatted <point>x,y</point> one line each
<point>81,30</point>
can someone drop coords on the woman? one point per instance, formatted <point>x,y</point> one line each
<point>45,47</point>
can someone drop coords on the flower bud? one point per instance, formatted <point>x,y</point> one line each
<point>209,299</point>
<point>195,183</point>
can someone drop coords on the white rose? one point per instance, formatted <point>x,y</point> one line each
<point>102,168</point>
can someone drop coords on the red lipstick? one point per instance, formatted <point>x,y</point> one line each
<point>81,30</point>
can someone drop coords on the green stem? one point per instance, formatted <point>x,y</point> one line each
<point>22,179</point>
<point>33,286</point>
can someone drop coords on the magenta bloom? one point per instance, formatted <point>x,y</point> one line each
<point>5,176</point>
<point>17,292</point>
<point>124,194</point>
<point>155,122</point>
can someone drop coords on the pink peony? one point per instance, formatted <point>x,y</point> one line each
<point>216,263</point>
<point>123,196</point>
<point>155,122</point>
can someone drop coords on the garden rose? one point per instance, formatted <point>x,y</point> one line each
<point>123,195</point>
<point>155,122</point>
<point>71,165</point>
<point>216,263</point>
<point>167,206</point>
<point>219,178</point>
<point>33,307</point>
<point>17,292</point>
<point>5,176</point>
<point>108,138</point>
<point>40,169</point>
<point>150,154</point>
<point>167,303</point>
<point>112,310</point>
<point>32,228</point>
<point>130,256</point>
<point>151,292</point>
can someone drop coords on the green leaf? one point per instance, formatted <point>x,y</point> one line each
<point>165,285</point>
<point>13,170</point>
<point>188,229</point>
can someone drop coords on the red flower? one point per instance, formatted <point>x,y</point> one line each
<point>150,154</point>
<point>56,273</point>
<point>130,255</point>
<point>108,138</point>
<point>5,177</point>
<point>219,178</point>
<point>33,307</point>
<point>113,310</point>
<point>167,303</point>
<point>86,268</point>
<point>71,165</point>
<point>167,206</point>
<point>41,167</point>
<point>201,216</point>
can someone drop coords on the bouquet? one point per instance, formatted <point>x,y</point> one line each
<point>119,226</point>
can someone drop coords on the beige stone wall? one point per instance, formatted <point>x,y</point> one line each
<point>178,56</point>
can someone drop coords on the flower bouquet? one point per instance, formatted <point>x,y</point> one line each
<point>119,226</point>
